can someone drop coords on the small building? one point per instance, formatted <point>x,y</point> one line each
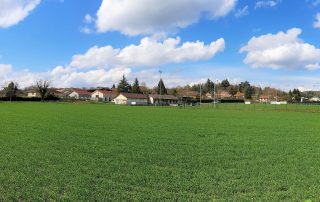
<point>239,95</point>
<point>103,95</point>
<point>264,99</point>
<point>314,99</point>
<point>156,99</point>
<point>32,94</point>
<point>79,94</point>
<point>209,95</point>
<point>224,95</point>
<point>131,99</point>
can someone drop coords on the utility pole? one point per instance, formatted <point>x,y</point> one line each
<point>200,93</point>
<point>160,87</point>
<point>214,94</point>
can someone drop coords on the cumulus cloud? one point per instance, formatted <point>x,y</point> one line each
<point>149,52</point>
<point>316,24</point>
<point>104,66</point>
<point>267,3</point>
<point>100,57</point>
<point>134,17</point>
<point>281,50</point>
<point>14,11</point>
<point>68,76</point>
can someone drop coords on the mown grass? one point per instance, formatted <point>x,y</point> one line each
<point>88,152</point>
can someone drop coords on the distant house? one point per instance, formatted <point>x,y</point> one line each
<point>56,93</point>
<point>224,95</point>
<point>131,99</point>
<point>239,95</point>
<point>80,94</point>
<point>103,95</point>
<point>156,99</point>
<point>264,99</point>
<point>209,95</point>
<point>32,94</point>
<point>314,99</point>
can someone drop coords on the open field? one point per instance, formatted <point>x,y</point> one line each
<point>88,152</point>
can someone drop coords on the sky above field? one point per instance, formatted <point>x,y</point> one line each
<point>87,43</point>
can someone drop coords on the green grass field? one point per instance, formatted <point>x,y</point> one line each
<point>95,152</point>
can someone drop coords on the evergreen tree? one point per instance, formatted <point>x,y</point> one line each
<point>136,87</point>
<point>243,86</point>
<point>225,83</point>
<point>248,92</point>
<point>208,86</point>
<point>123,86</point>
<point>296,95</point>
<point>233,91</point>
<point>161,88</point>
<point>11,90</point>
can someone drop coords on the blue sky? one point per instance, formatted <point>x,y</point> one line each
<point>94,42</point>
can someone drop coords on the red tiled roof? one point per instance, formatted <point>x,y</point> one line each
<point>135,96</point>
<point>239,94</point>
<point>82,92</point>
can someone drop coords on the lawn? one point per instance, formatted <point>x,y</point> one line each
<point>97,152</point>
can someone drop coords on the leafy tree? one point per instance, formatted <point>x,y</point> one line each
<point>233,91</point>
<point>136,87</point>
<point>225,84</point>
<point>161,88</point>
<point>113,86</point>
<point>11,90</point>
<point>43,88</point>
<point>123,86</point>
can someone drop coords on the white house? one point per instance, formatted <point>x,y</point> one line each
<point>32,94</point>
<point>314,99</point>
<point>163,99</point>
<point>103,95</point>
<point>80,94</point>
<point>131,99</point>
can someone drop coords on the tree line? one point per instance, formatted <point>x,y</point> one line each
<point>249,91</point>
<point>42,87</point>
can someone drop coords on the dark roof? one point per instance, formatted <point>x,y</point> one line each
<point>163,97</point>
<point>135,96</point>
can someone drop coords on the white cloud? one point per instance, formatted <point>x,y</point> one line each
<point>267,3</point>
<point>134,17</point>
<point>95,57</point>
<point>14,11</point>
<point>149,52</point>
<point>242,12</point>
<point>68,76</point>
<point>316,24</point>
<point>5,69</point>
<point>281,50</point>
<point>104,66</point>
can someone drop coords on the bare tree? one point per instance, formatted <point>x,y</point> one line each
<point>43,88</point>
